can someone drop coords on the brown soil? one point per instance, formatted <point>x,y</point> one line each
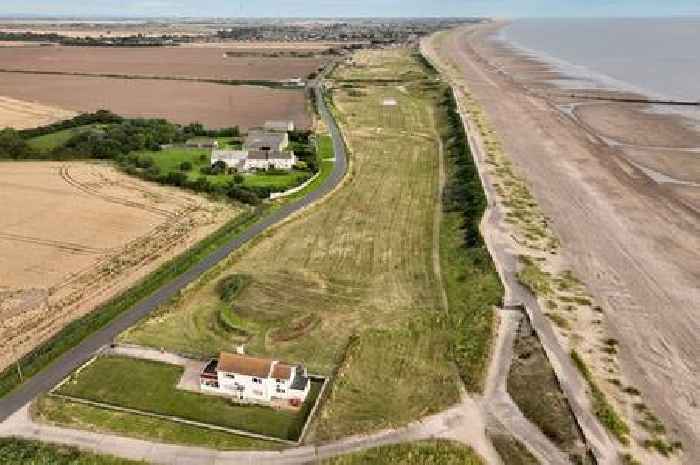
<point>632,240</point>
<point>75,234</point>
<point>155,61</point>
<point>182,102</point>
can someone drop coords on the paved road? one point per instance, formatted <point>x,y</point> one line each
<point>43,381</point>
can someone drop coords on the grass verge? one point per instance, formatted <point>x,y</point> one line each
<point>62,412</point>
<point>79,329</point>
<point>418,453</point>
<point>19,451</point>
<point>149,386</point>
<point>471,282</point>
<point>601,407</point>
<point>535,390</point>
<point>512,451</point>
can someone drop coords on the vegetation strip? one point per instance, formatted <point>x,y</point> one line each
<point>228,82</point>
<point>21,451</point>
<point>601,407</point>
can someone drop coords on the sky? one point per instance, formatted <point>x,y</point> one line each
<point>351,8</point>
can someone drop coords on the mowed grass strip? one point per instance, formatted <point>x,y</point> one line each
<point>150,386</point>
<point>62,412</point>
<point>20,451</point>
<point>418,453</point>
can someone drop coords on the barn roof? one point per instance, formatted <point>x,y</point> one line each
<point>244,365</point>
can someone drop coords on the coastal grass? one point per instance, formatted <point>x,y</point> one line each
<point>512,451</point>
<point>534,388</point>
<point>472,285</point>
<point>150,387</point>
<point>417,453</point>
<point>358,266</point>
<point>26,452</point>
<point>62,412</point>
<point>602,409</point>
<point>79,329</point>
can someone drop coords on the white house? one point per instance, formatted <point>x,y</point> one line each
<point>283,126</point>
<point>255,379</point>
<point>264,159</point>
<point>232,158</point>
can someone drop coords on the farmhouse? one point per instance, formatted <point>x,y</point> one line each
<point>262,150</point>
<point>254,379</point>
<point>202,143</point>
<point>283,126</point>
<point>266,140</point>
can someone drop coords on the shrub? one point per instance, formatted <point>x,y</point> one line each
<point>186,166</point>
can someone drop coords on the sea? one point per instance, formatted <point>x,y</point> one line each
<point>656,57</point>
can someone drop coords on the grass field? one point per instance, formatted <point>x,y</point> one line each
<point>169,160</point>
<point>419,453</point>
<point>48,142</point>
<point>324,146</point>
<point>63,412</point>
<point>19,451</point>
<point>360,264</point>
<point>150,387</point>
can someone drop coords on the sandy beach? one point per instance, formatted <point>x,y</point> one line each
<point>621,187</point>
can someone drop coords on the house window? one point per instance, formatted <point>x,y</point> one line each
<point>280,390</point>
<point>257,380</point>
<point>230,375</point>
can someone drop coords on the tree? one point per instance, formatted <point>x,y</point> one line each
<point>186,166</point>
<point>12,145</point>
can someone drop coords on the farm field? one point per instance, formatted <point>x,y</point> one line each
<point>192,62</point>
<point>75,234</point>
<point>352,282</point>
<point>213,105</point>
<point>22,114</point>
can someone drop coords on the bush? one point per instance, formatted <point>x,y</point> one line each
<point>230,286</point>
<point>186,166</point>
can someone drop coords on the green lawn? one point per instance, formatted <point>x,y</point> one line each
<point>228,143</point>
<point>63,412</point>
<point>48,142</point>
<point>324,145</point>
<point>418,453</point>
<point>20,451</point>
<point>279,181</point>
<point>150,386</point>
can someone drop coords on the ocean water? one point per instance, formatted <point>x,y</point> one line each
<point>658,57</point>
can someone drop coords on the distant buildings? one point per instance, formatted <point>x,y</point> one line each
<point>254,379</point>
<point>263,149</point>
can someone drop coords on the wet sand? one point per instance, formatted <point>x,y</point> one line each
<point>623,204</point>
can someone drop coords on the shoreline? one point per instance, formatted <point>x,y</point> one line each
<point>631,239</point>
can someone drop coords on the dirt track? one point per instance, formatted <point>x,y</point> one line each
<point>633,243</point>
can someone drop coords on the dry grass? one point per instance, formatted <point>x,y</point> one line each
<point>361,263</point>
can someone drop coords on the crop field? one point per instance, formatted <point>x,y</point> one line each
<point>351,284</point>
<point>75,234</point>
<point>214,105</point>
<point>199,62</point>
<point>21,114</point>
